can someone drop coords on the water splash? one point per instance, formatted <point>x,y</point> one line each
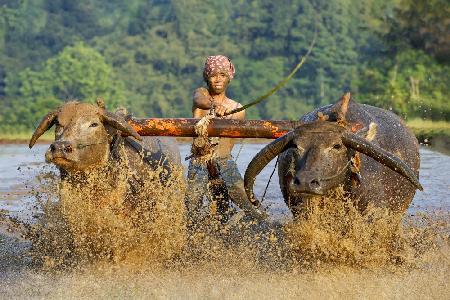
<point>95,245</point>
<point>99,217</point>
<point>334,233</point>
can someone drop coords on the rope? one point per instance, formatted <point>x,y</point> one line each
<point>344,168</point>
<point>239,151</point>
<point>81,146</point>
<point>202,148</point>
<point>270,178</point>
<point>201,127</point>
<point>281,83</point>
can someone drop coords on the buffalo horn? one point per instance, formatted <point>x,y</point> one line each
<point>261,159</point>
<point>119,124</point>
<point>382,156</point>
<point>46,123</point>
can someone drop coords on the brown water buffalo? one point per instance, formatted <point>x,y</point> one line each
<point>117,189</point>
<point>87,137</point>
<point>367,150</point>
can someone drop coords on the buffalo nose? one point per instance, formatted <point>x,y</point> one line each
<point>68,148</point>
<point>61,146</point>
<point>307,183</point>
<point>315,183</point>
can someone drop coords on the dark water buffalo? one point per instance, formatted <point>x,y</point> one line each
<point>367,150</point>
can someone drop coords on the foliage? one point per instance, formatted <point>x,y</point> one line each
<point>148,55</point>
<point>423,25</point>
<point>413,84</point>
<point>78,72</point>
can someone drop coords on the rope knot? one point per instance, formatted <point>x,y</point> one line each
<point>202,146</point>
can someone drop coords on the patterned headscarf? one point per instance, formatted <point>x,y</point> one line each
<point>218,63</point>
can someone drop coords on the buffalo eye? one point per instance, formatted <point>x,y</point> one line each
<point>93,125</point>
<point>337,146</point>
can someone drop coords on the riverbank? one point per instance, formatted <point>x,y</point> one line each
<point>24,137</point>
<point>433,133</point>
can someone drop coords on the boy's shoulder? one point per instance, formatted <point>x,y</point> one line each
<point>233,103</point>
<point>201,91</point>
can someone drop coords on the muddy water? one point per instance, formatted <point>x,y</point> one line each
<point>19,167</point>
<point>238,275</point>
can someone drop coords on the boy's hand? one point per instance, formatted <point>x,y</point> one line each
<point>220,110</point>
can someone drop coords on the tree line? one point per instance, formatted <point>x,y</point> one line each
<point>148,55</point>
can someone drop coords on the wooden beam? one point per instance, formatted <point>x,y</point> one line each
<point>227,128</point>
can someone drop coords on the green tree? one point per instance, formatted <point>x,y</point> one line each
<point>412,84</point>
<point>423,25</point>
<point>78,72</point>
<point>389,53</point>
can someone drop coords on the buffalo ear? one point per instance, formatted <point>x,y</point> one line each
<point>119,123</point>
<point>100,102</point>
<point>391,161</point>
<point>47,122</point>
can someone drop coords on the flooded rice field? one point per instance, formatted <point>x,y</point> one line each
<point>337,254</point>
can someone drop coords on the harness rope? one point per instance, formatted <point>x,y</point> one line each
<point>344,168</point>
<point>202,148</point>
<point>270,178</point>
<point>239,151</point>
<point>81,146</point>
<point>281,83</point>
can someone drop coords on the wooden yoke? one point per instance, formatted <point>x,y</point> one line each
<point>227,128</point>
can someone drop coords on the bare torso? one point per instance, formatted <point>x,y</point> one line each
<point>225,145</point>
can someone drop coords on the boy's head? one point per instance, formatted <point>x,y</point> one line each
<point>218,72</point>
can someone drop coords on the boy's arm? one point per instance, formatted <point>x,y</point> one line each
<point>202,99</point>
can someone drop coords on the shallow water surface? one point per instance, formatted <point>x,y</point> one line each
<point>20,165</point>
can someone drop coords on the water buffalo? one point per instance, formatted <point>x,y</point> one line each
<point>86,136</point>
<point>367,150</point>
<point>113,182</point>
